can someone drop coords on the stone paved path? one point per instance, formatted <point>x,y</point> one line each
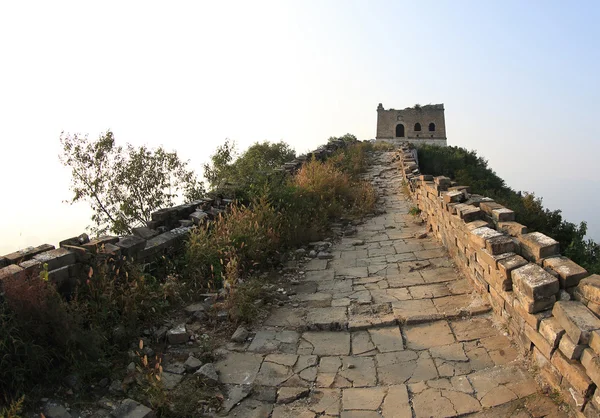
<point>387,328</point>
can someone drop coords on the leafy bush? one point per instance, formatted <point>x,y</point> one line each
<point>469,169</point>
<point>123,186</point>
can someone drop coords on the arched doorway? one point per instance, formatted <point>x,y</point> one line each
<point>399,131</point>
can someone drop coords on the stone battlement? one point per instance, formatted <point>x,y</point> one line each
<point>551,305</point>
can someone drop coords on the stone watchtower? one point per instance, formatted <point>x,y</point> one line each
<point>417,125</point>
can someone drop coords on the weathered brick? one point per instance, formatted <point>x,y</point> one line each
<point>470,213</point>
<point>27,253</point>
<point>453,197</point>
<point>94,245</point>
<point>574,373</point>
<point>31,267</point>
<point>595,341</point>
<point>476,224</point>
<point>589,288</point>
<point>503,215</point>
<point>500,245</point>
<point>577,320</point>
<point>488,207</point>
<point>131,245</point>
<point>532,319</point>
<point>56,258</point>
<point>535,246</point>
<point>591,363</point>
<point>569,273</point>
<point>551,330</point>
<point>479,236</point>
<point>513,229</point>
<point>505,268</point>
<point>536,338</point>
<point>533,305</point>
<point>535,282</point>
<point>571,350</point>
<point>10,271</point>
<point>547,370</point>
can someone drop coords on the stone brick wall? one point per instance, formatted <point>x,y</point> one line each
<point>387,120</point>
<point>550,305</point>
<point>70,263</point>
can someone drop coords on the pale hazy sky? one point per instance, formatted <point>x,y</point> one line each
<point>519,81</point>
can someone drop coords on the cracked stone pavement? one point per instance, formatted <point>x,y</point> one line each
<point>387,328</point>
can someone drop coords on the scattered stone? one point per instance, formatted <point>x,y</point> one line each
<point>56,411</point>
<point>240,335</point>
<point>312,254</point>
<point>192,364</point>
<point>178,335</point>
<point>116,387</point>
<point>209,373</point>
<point>324,255</point>
<point>132,409</point>
<point>196,307</point>
<point>170,380</point>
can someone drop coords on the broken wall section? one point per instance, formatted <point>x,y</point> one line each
<point>69,265</point>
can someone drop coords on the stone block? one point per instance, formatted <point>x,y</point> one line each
<point>3,262</point>
<point>178,335</point>
<point>470,213</point>
<point>536,246</point>
<point>569,272</point>
<point>81,254</point>
<point>488,207</point>
<point>57,258</point>
<point>479,236</point>
<point>95,244</point>
<point>77,241</point>
<point>532,319</point>
<point>31,267</point>
<point>453,197</point>
<point>591,363</point>
<point>500,245</point>
<point>144,232</point>
<point>533,305</point>
<point>476,224</point>
<point>570,350</point>
<point>551,330</point>
<point>589,288</point>
<point>574,373</point>
<point>595,341</point>
<point>577,320</point>
<point>534,282</point>
<point>513,229</point>
<point>27,253</point>
<point>503,215</point>
<point>132,409</point>
<point>131,245</point>
<point>505,268</point>
<point>10,271</point>
<point>539,341</point>
<point>426,177</point>
<point>199,217</point>
<point>547,370</point>
<point>442,182</point>
<point>163,241</point>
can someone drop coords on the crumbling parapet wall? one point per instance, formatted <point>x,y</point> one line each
<point>70,264</point>
<point>551,305</point>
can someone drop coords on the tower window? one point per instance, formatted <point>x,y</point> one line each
<point>399,131</point>
<point>432,127</point>
<point>417,126</point>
